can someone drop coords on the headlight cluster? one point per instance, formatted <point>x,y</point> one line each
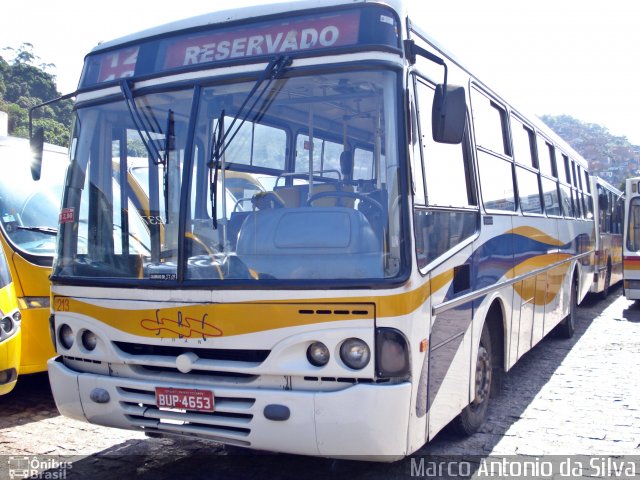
<point>354,353</point>
<point>9,324</point>
<point>391,347</point>
<point>67,337</point>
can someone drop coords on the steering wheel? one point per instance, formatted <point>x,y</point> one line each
<point>339,193</point>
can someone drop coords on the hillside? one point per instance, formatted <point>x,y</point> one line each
<point>610,157</point>
<point>25,83</point>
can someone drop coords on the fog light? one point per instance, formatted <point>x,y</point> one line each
<point>65,334</point>
<point>318,354</point>
<point>89,340</point>
<point>7,376</point>
<point>355,353</point>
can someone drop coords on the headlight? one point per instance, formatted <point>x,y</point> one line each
<point>17,316</point>
<point>89,340</point>
<point>65,335</point>
<point>6,324</point>
<point>355,353</point>
<point>392,353</point>
<point>318,354</point>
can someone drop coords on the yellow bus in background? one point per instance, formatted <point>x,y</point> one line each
<point>29,212</point>
<point>9,329</point>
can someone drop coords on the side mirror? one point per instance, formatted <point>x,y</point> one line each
<point>449,114</point>
<point>37,147</point>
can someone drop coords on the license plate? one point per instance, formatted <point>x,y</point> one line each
<point>184,398</point>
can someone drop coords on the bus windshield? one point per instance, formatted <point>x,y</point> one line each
<point>30,209</point>
<point>306,181</point>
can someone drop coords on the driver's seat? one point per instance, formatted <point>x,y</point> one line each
<point>297,195</point>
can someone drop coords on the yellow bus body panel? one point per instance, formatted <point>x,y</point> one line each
<point>9,348</point>
<point>31,281</point>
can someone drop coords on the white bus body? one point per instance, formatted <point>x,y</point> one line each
<point>631,250</point>
<point>376,289</point>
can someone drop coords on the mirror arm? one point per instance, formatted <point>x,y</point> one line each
<point>44,104</point>
<point>412,50</point>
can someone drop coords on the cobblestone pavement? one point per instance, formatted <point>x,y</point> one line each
<point>565,397</point>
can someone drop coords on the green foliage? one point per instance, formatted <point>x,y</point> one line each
<point>25,84</point>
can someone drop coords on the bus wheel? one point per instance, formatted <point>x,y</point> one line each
<point>567,327</point>
<point>607,281</point>
<point>472,417</point>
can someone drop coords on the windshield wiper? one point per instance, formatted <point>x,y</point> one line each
<point>150,143</point>
<point>144,133</point>
<point>46,230</point>
<point>169,146</point>
<point>221,138</point>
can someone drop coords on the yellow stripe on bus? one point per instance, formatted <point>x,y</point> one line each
<point>228,319</point>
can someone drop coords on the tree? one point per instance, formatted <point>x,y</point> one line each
<point>25,83</point>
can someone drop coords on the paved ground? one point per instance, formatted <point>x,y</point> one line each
<point>575,397</point>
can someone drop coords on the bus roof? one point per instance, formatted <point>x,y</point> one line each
<point>239,14</point>
<point>402,7</point>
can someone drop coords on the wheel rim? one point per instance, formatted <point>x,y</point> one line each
<point>483,376</point>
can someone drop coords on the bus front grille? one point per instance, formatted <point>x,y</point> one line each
<point>230,422</point>
<point>233,355</point>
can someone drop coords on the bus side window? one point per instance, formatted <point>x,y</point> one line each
<point>494,154</point>
<point>527,169</point>
<point>450,215</point>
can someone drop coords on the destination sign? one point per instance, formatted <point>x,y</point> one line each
<point>365,27</point>
<point>304,34</point>
<point>119,64</point>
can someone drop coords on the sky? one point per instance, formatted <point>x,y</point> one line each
<point>574,57</point>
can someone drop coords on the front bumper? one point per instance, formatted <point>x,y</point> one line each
<point>360,421</point>
<point>9,362</point>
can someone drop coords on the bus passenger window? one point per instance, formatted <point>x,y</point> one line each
<point>258,145</point>
<point>326,156</point>
<point>545,156</point>
<point>522,137</point>
<point>362,164</point>
<point>488,124</point>
<point>565,202</point>
<point>550,196</point>
<point>496,180</point>
<point>445,167</point>
<point>447,176</point>
<point>528,191</point>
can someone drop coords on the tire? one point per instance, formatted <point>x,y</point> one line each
<point>567,327</point>
<point>473,415</point>
<point>607,281</point>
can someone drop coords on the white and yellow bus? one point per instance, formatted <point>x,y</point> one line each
<point>631,244</point>
<point>29,213</point>
<point>412,239</point>
<point>609,218</point>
